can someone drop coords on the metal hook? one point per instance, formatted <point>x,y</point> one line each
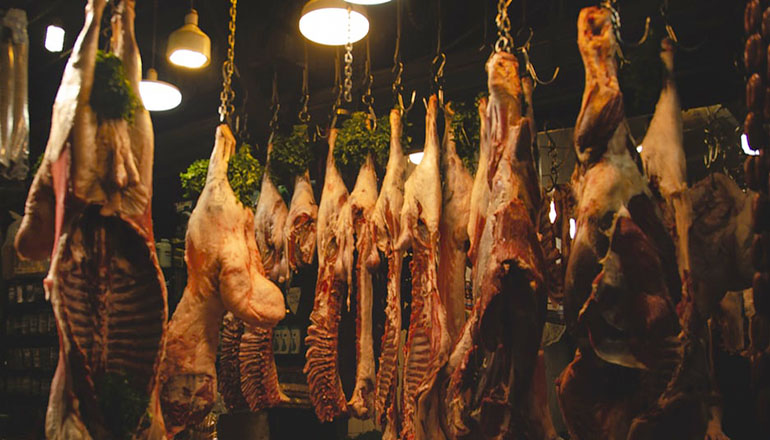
<point>524,50</point>
<point>672,34</point>
<point>615,18</point>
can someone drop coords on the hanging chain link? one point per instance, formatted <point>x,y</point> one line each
<point>304,115</point>
<point>226,108</point>
<point>275,105</point>
<point>367,98</point>
<point>503,22</point>
<point>349,64</point>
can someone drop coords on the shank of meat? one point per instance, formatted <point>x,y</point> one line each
<point>480,191</point>
<point>335,261</point>
<point>386,222</point>
<point>269,224</point>
<point>104,283</point>
<point>453,230</point>
<point>361,204</point>
<point>224,275</point>
<point>300,224</point>
<point>428,344</point>
<point>490,392</point>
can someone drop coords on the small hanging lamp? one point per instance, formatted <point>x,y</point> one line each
<point>157,95</point>
<point>189,46</point>
<point>367,2</point>
<point>333,22</point>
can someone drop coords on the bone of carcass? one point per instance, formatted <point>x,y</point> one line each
<point>224,275</point>
<point>453,230</point>
<point>335,246</point>
<point>386,222</point>
<point>428,343</point>
<point>490,392</point>
<point>229,371</point>
<point>269,223</point>
<point>480,190</point>
<point>361,205</point>
<point>104,283</point>
<point>630,377</point>
<point>300,224</point>
<point>258,372</point>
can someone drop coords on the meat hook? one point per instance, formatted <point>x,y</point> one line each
<point>524,51</point>
<point>398,90</point>
<point>615,18</point>
<point>672,34</point>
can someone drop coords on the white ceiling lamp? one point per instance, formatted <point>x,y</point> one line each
<point>189,46</point>
<point>158,96</point>
<point>54,38</point>
<point>367,2</point>
<point>333,22</point>
<point>416,158</point>
<point>746,147</point>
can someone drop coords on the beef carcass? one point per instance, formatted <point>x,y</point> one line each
<point>453,230</point>
<point>104,283</point>
<point>480,191</point>
<point>428,344</point>
<point>630,377</point>
<point>229,371</point>
<point>224,275</point>
<point>300,224</point>
<point>269,223</point>
<point>361,205</point>
<point>490,392</point>
<point>335,246</point>
<point>386,222</point>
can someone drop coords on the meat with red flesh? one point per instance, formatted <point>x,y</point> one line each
<point>335,246</point>
<point>428,344</point>
<point>229,371</point>
<point>104,283</point>
<point>386,222</point>
<point>225,274</point>
<point>480,191</point>
<point>269,223</point>
<point>491,392</point>
<point>361,204</point>
<point>258,374</point>
<point>453,230</point>
<point>300,224</point>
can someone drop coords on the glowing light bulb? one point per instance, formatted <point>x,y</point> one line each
<point>416,158</point>
<point>158,95</point>
<point>333,22</point>
<point>639,149</point>
<point>746,147</point>
<point>54,38</point>
<point>572,228</point>
<point>552,213</point>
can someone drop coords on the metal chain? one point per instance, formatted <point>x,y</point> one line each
<point>504,39</point>
<point>226,108</point>
<point>367,98</point>
<point>349,65</point>
<point>275,105</point>
<point>304,115</point>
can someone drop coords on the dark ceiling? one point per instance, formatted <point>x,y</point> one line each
<point>268,41</point>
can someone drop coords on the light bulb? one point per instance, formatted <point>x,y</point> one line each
<point>572,228</point>
<point>416,158</point>
<point>639,149</point>
<point>746,147</point>
<point>552,213</point>
<point>333,22</point>
<point>157,95</point>
<point>367,2</point>
<point>54,38</point>
<point>189,46</point>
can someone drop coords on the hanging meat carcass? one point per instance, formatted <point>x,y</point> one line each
<point>490,392</point>
<point>361,205</point>
<point>89,209</point>
<point>335,246</point>
<point>634,375</point>
<point>300,224</point>
<point>386,222</point>
<point>269,222</point>
<point>453,230</point>
<point>480,190</point>
<point>224,275</point>
<point>428,344</point>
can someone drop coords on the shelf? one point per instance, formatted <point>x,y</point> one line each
<point>31,341</point>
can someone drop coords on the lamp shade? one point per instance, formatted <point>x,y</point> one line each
<point>188,46</point>
<point>367,2</point>
<point>158,95</point>
<point>333,22</point>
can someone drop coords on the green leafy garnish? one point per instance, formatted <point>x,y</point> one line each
<point>112,96</point>
<point>244,173</point>
<point>122,405</point>
<point>356,139</point>
<point>466,128</point>
<point>291,156</point>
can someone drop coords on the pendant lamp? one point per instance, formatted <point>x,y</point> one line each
<point>333,22</point>
<point>188,46</point>
<point>367,2</point>
<point>158,95</point>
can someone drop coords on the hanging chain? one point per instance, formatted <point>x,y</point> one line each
<point>504,39</point>
<point>275,105</point>
<point>349,63</point>
<point>226,108</point>
<point>367,98</point>
<point>439,61</point>
<point>304,115</point>
<point>553,158</point>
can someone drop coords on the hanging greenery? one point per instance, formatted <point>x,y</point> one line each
<point>466,128</point>
<point>244,173</point>
<point>355,140</point>
<point>291,156</point>
<point>112,96</point>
